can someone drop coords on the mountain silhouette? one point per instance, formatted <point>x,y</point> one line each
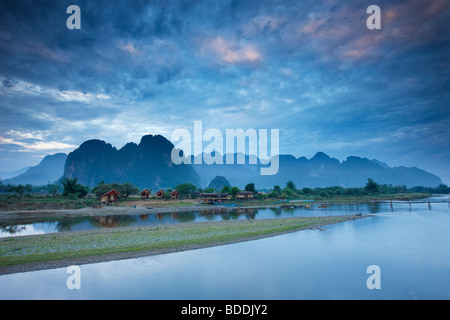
<point>49,170</point>
<point>319,171</point>
<point>146,165</point>
<point>149,165</point>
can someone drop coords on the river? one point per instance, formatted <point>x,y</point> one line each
<point>407,244</point>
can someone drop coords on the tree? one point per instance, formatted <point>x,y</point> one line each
<point>186,190</point>
<point>234,190</point>
<point>20,189</point>
<point>290,185</point>
<point>250,187</point>
<point>371,186</point>
<point>72,188</point>
<point>126,189</point>
<point>69,186</point>
<point>276,189</point>
<point>102,188</point>
<point>442,188</point>
<point>275,192</point>
<point>52,188</point>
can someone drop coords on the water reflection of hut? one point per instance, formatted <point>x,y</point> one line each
<point>145,194</point>
<point>107,221</point>
<point>214,197</point>
<point>112,196</point>
<point>174,195</point>
<point>160,194</point>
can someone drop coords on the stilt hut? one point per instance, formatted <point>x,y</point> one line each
<point>244,196</point>
<point>145,194</point>
<point>160,194</point>
<point>174,195</point>
<point>112,196</point>
<point>212,198</point>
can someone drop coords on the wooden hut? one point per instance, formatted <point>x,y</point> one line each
<point>160,194</point>
<point>174,195</point>
<point>212,198</point>
<point>145,194</point>
<point>244,195</point>
<point>112,196</point>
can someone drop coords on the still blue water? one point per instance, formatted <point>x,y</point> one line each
<point>139,220</point>
<point>410,247</point>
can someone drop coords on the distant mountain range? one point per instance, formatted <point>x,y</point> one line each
<point>50,169</point>
<point>320,171</point>
<point>148,165</point>
<point>11,174</point>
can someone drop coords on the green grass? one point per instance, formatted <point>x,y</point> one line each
<point>41,248</point>
<point>36,202</point>
<point>313,199</point>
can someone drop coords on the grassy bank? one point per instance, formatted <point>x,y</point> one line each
<point>31,202</point>
<point>44,251</point>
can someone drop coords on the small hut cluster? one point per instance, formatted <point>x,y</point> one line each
<point>211,198</point>
<point>174,195</point>
<point>112,196</point>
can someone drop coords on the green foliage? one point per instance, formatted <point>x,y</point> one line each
<point>234,190</point>
<point>187,190</point>
<point>290,185</point>
<point>440,189</point>
<point>226,189</point>
<point>74,189</point>
<point>126,189</point>
<point>20,189</point>
<point>250,187</point>
<point>371,186</point>
<point>370,189</point>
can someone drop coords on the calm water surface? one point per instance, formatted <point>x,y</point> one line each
<point>113,221</point>
<point>410,246</point>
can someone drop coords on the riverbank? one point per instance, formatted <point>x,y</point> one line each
<point>14,215</point>
<point>37,252</point>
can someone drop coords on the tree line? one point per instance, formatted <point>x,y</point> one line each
<point>69,187</point>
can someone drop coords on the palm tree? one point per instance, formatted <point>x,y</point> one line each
<point>69,186</point>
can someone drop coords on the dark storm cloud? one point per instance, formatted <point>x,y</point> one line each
<point>310,68</point>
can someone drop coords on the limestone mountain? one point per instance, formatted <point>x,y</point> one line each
<point>319,171</point>
<point>146,165</point>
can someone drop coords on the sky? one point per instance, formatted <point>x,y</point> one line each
<point>312,69</point>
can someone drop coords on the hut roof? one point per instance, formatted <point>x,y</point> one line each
<point>114,191</point>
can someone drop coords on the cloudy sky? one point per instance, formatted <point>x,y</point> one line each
<point>311,69</point>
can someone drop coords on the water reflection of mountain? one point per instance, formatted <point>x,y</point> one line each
<point>64,225</point>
